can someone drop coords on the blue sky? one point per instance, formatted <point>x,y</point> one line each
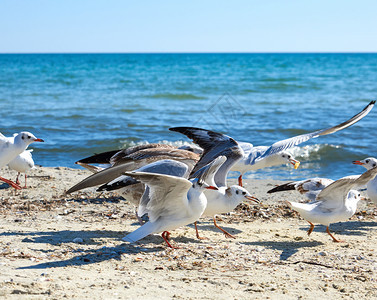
<point>45,26</point>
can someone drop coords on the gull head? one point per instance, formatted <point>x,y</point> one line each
<point>285,157</point>
<point>26,138</point>
<point>240,194</point>
<point>354,196</point>
<point>368,163</point>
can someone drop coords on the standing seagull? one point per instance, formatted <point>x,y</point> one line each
<point>10,147</point>
<point>22,163</point>
<point>214,145</point>
<point>171,202</point>
<point>369,163</point>
<point>337,202</point>
<point>255,158</point>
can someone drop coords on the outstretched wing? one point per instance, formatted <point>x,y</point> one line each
<point>167,194</point>
<point>165,166</point>
<point>214,144</point>
<point>334,195</point>
<point>208,172</point>
<point>296,140</point>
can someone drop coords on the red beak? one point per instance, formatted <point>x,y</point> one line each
<point>357,162</point>
<point>38,140</point>
<point>211,188</point>
<point>251,198</point>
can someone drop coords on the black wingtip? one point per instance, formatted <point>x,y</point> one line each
<point>284,187</point>
<point>372,102</point>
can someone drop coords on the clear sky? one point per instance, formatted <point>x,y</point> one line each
<point>46,26</point>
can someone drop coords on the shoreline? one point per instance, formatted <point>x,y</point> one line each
<point>57,246</point>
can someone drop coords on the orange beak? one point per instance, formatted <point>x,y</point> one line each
<point>38,140</point>
<point>294,162</point>
<point>211,187</point>
<point>251,198</point>
<point>357,162</point>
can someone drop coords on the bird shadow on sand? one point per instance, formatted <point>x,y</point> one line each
<point>346,228</point>
<point>94,256</point>
<point>66,236</point>
<point>287,248</point>
<point>209,226</point>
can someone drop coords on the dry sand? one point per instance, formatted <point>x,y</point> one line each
<point>271,258</point>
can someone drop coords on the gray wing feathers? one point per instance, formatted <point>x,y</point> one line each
<point>294,141</point>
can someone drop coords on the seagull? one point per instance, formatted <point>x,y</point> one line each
<point>308,187</point>
<point>22,163</point>
<point>369,163</point>
<point>132,159</point>
<point>133,189</point>
<point>259,157</point>
<point>336,202</point>
<point>171,202</point>
<point>10,147</point>
<point>224,199</point>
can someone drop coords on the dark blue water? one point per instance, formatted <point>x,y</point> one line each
<point>86,103</point>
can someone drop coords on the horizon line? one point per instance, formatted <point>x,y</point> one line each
<point>178,52</point>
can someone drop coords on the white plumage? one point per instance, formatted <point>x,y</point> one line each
<point>11,147</point>
<point>22,163</point>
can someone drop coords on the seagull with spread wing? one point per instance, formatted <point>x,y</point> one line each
<point>336,202</point>
<point>214,145</point>
<point>259,157</point>
<point>171,201</point>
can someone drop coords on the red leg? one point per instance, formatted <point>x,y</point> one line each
<point>333,238</point>
<point>11,183</point>
<point>17,180</point>
<point>227,234</point>
<point>311,228</point>
<point>25,186</point>
<point>240,180</point>
<point>197,234</point>
<point>165,235</point>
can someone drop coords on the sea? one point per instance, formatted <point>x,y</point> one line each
<point>82,104</point>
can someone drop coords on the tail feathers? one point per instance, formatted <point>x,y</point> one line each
<point>301,207</point>
<point>140,233</point>
<point>284,187</point>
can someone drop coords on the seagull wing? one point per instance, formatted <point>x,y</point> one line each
<point>214,144</point>
<point>165,166</point>
<point>294,141</point>
<point>208,172</point>
<point>335,194</point>
<point>167,194</point>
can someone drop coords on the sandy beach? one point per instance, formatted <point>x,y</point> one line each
<point>55,246</point>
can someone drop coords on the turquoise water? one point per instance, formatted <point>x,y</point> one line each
<point>87,103</point>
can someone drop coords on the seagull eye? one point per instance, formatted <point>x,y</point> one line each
<point>28,136</point>
<point>237,192</point>
<point>289,156</point>
<point>23,137</point>
<point>244,193</point>
<point>367,161</point>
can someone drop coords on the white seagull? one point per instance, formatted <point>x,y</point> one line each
<point>224,199</point>
<point>255,158</point>
<point>10,147</point>
<point>337,201</point>
<point>171,202</point>
<point>369,163</point>
<point>22,163</point>
<point>133,189</point>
